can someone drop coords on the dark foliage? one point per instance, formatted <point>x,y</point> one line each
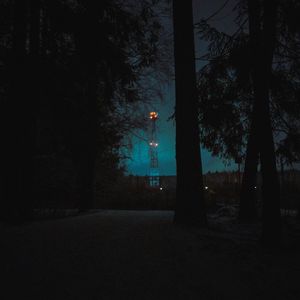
<point>243,70</point>
<point>70,72</point>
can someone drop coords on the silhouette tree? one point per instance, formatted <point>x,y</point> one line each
<point>232,60</point>
<point>262,40</point>
<point>265,38</point>
<point>226,107</point>
<point>223,110</point>
<point>20,108</point>
<point>189,192</point>
<point>70,91</point>
<point>88,48</point>
<point>15,120</point>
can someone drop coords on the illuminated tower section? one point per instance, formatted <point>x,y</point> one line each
<point>153,153</point>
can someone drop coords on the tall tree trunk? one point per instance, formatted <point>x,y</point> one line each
<point>14,205</point>
<point>262,36</point>
<point>248,209</point>
<point>271,186</point>
<point>190,205</point>
<point>89,52</point>
<point>88,156</point>
<point>31,104</point>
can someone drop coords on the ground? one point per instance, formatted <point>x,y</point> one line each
<point>143,255</point>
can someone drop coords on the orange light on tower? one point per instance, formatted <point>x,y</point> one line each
<point>153,115</point>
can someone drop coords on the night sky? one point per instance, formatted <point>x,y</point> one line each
<point>139,162</point>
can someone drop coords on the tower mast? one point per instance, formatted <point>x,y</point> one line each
<point>153,153</point>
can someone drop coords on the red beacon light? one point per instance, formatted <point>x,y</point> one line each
<point>153,115</point>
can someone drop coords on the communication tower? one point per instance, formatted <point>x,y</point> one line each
<point>153,153</point>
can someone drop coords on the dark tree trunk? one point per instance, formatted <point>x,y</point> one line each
<point>88,156</point>
<point>14,173</point>
<point>282,177</point>
<point>32,102</point>
<point>248,209</point>
<point>262,36</point>
<point>271,186</point>
<point>89,52</point>
<point>190,206</point>
<point>49,39</point>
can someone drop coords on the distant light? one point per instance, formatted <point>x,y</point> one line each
<point>161,188</point>
<point>153,144</point>
<point>206,187</point>
<point>255,187</point>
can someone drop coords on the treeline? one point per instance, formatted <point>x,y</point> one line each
<point>72,73</point>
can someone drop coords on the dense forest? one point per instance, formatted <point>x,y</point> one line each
<point>77,81</point>
<point>72,75</point>
<point>76,76</point>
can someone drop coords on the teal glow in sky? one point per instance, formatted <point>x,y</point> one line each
<point>139,164</point>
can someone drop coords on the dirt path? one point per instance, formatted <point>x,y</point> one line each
<point>138,255</point>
